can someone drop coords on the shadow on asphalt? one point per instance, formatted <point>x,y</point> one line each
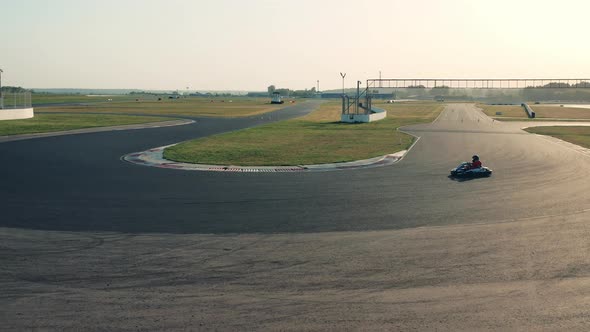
<point>463,179</point>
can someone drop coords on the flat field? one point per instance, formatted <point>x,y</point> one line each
<point>314,139</point>
<point>48,98</point>
<point>511,111</point>
<point>579,135</point>
<point>198,106</point>
<point>541,112</point>
<point>557,112</point>
<point>43,123</point>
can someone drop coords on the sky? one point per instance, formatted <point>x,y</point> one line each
<point>251,44</point>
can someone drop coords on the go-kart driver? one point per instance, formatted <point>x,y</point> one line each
<point>475,162</point>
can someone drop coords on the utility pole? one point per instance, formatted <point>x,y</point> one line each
<point>358,89</point>
<point>318,90</point>
<point>358,96</point>
<point>343,75</point>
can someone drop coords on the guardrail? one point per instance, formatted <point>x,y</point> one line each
<point>17,100</point>
<point>529,110</point>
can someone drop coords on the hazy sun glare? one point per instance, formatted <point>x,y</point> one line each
<point>248,45</point>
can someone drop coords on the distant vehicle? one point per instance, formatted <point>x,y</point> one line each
<point>391,101</point>
<point>276,98</point>
<point>464,171</point>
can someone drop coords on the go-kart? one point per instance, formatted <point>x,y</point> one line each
<point>464,170</point>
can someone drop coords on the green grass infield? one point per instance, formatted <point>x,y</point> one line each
<point>314,139</point>
<point>579,135</point>
<point>192,106</point>
<point>43,123</point>
<point>542,112</point>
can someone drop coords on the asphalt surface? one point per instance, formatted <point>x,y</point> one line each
<point>92,242</point>
<point>79,184</point>
<point>69,178</point>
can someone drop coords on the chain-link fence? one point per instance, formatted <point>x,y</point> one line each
<point>9,100</point>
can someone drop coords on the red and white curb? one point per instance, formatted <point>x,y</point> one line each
<point>154,158</point>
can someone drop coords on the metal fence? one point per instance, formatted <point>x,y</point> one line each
<point>480,83</point>
<point>359,104</point>
<point>15,100</point>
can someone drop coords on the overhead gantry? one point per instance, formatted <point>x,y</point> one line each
<point>359,108</point>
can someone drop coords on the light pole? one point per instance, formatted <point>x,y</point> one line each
<point>343,75</point>
<point>358,89</point>
<point>358,96</point>
<point>318,87</point>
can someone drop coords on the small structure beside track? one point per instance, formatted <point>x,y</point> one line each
<point>16,106</point>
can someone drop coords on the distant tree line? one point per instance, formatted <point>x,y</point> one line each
<point>142,93</point>
<point>560,85</point>
<point>176,93</point>
<point>14,89</point>
<point>553,91</point>
<point>214,94</point>
<point>286,92</point>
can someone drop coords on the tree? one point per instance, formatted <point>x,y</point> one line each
<point>13,89</point>
<point>283,92</point>
<point>271,89</point>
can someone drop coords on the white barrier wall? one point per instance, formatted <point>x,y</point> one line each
<point>529,110</point>
<point>14,114</point>
<point>375,115</point>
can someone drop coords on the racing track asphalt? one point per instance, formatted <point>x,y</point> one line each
<point>78,183</point>
<point>509,252</point>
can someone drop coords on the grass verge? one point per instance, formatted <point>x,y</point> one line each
<point>314,139</point>
<point>542,112</point>
<point>552,111</point>
<point>43,123</point>
<point>49,98</point>
<point>197,106</point>
<point>509,111</point>
<point>579,135</point>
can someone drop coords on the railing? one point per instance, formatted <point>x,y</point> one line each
<point>480,83</point>
<point>354,105</point>
<point>10,100</point>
